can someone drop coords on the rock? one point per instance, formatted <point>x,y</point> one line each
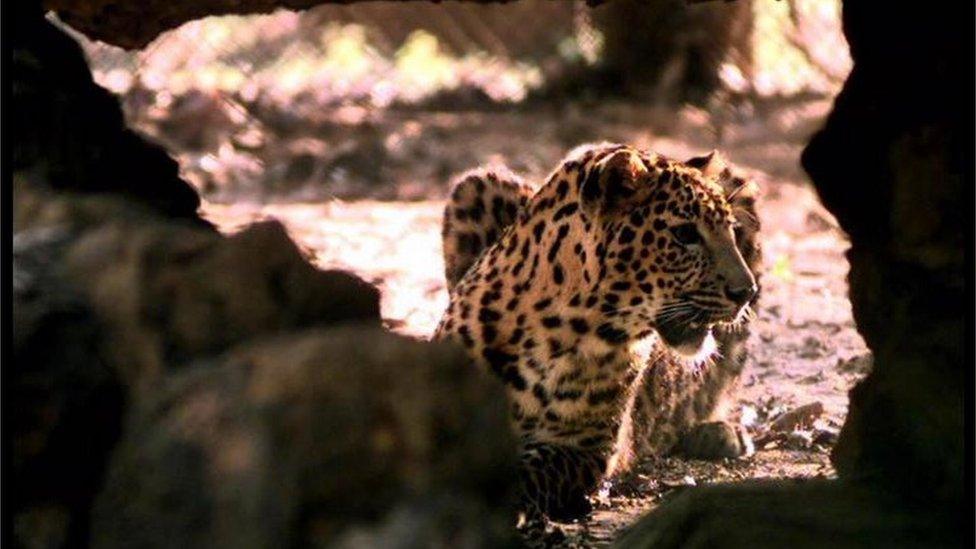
<point>332,437</point>
<point>108,298</point>
<point>805,514</point>
<point>64,403</point>
<point>906,422</point>
<point>71,133</point>
<point>167,294</point>
<point>860,364</point>
<point>798,440</point>
<point>442,521</point>
<point>825,436</point>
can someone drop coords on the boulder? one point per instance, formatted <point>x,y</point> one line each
<point>168,294</point>
<point>71,133</point>
<point>64,402</point>
<point>341,437</point>
<point>108,297</point>
<point>799,515</point>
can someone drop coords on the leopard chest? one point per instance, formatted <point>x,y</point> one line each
<point>576,395</point>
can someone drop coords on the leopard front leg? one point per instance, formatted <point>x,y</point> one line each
<point>570,422</point>
<point>557,479</point>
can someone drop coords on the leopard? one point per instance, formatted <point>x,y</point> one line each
<point>612,301</point>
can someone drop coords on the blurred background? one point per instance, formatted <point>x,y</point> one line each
<point>388,100</point>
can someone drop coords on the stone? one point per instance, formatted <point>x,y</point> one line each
<point>328,437</point>
<point>109,297</point>
<point>714,440</point>
<point>64,403</point>
<point>801,416</point>
<point>71,134</point>
<point>805,514</point>
<point>892,164</point>
<point>167,293</point>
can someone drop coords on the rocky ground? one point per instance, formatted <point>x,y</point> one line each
<point>805,352</point>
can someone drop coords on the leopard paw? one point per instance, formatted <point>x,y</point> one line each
<point>715,440</point>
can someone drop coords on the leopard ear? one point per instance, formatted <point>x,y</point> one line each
<point>611,181</point>
<point>712,164</point>
<point>740,192</point>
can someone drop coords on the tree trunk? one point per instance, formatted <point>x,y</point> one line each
<point>673,48</point>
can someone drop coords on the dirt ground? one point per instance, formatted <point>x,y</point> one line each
<point>804,349</point>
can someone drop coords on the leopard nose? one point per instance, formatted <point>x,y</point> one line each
<point>741,294</point>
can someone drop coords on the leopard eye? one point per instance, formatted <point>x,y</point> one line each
<point>686,234</point>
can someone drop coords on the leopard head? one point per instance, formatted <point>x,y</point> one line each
<point>665,236</point>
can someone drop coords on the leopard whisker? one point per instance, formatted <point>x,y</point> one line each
<point>663,308</point>
<point>677,316</point>
<point>675,313</point>
<point>675,305</point>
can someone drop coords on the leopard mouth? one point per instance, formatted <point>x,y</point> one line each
<point>691,333</point>
<point>686,338</point>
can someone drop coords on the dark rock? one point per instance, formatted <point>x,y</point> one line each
<point>167,294</point>
<point>64,403</point>
<point>806,514</point>
<point>860,364</point>
<point>826,437</point>
<point>37,206</point>
<point>70,131</point>
<point>347,436</point>
<point>108,297</point>
<point>893,164</point>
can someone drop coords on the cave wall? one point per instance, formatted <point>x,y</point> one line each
<point>894,164</point>
<point>70,132</point>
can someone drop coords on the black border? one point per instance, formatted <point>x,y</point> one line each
<point>970,390</point>
<point>6,219</point>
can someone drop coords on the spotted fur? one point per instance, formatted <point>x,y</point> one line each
<point>622,257</point>
<point>483,203</point>
<point>674,399</point>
